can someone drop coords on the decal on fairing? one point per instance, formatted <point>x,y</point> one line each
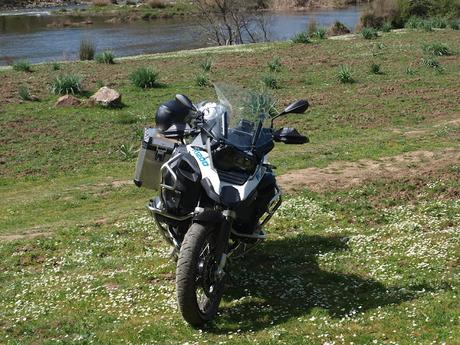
<point>200,157</point>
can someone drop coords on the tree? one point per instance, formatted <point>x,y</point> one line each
<point>228,22</point>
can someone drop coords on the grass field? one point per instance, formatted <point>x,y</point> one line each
<point>354,258</point>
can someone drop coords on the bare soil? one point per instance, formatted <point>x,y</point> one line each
<point>344,175</point>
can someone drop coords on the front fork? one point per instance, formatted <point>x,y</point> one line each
<point>222,241</point>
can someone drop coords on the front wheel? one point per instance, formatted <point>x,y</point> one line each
<point>199,289</point>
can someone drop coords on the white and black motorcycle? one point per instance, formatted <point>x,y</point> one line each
<point>217,189</point>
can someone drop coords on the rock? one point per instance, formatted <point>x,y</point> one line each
<point>67,101</point>
<point>34,98</point>
<point>106,97</point>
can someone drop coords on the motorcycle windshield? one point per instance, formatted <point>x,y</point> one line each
<point>243,118</point>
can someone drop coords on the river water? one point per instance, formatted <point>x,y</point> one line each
<point>34,36</point>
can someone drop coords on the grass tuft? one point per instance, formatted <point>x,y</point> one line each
<point>437,49</point>
<point>387,27</point>
<point>66,84</point>
<point>344,75</point>
<point>319,33</point>
<point>270,81</point>
<point>275,64</point>
<point>55,66</point>
<point>127,152</point>
<point>369,33</point>
<point>24,93</point>
<point>22,66</point>
<point>106,57</point>
<point>206,65</point>
<point>144,78</point>
<point>431,62</point>
<point>87,50</point>
<point>202,80</point>
<point>301,37</point>
<point>261,102</point>
<point>375,69</point>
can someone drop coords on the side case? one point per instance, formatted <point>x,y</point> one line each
<point>154,152</point>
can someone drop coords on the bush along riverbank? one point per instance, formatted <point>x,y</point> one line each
<point>425,15</point>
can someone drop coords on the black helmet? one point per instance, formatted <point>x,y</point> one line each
<point>169,113</point>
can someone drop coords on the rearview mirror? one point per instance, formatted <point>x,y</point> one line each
<point>185,101</point>
<point>298,107</point>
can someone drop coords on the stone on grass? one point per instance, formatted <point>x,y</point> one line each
<point>67,101</point>
<point>106,97</point>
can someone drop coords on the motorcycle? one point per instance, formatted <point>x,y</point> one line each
<point>217,189</point>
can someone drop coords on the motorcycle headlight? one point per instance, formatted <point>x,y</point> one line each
<point>231,159</point>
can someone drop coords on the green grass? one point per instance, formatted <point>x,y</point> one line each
<point>275,65</point>
<point>301,37</point>
<point>375,263</point>
<point>206,65</point>
<point>67,84</point>
<point>22,66</point>
<point>437,49</point>
<point>144,78</point>
<point>344,75</point>
<point>106,57</point>
<point>202,80</point>
<point>87,50</point>
<point>369,33</point>
<point>24,93</point>
<point>271,81</point>
<point>376,69</point>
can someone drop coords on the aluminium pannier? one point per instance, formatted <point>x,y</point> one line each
<point>154,152</point>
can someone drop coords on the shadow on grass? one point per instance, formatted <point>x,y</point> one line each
<point>283,280</point>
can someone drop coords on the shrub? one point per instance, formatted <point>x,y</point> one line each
<point>202,80</point>
<point>105,57</point>
<point>156,4</point>
<point>301,37</point>
<point>369,33</point>
<point>387,26</point>
<point>66,84</point>
<point>437,49</point>
<point>22,66</point>
<point>375,69</point>
<point>55,66</point>
<point>144,78</point>
<point>270,81</point>
<point>344,75</point>
<point>87,50</point>
<point>274,65</point>
<point>439,22</point>
<point>206,65</point>
<point>24,93</point>
<point>337,29</point>
<point>260,102</point>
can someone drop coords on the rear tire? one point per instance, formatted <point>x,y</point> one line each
<point>196,266</point>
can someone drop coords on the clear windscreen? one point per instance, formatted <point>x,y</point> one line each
<point>245,109</point>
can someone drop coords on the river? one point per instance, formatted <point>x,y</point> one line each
<point>34,37</point>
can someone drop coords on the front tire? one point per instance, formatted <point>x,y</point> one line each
<point>198,290</point>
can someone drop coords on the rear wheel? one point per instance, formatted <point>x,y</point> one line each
<point>199,290</point>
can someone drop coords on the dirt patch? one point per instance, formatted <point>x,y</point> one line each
<point>343,175</point>
<point>25,236</point>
